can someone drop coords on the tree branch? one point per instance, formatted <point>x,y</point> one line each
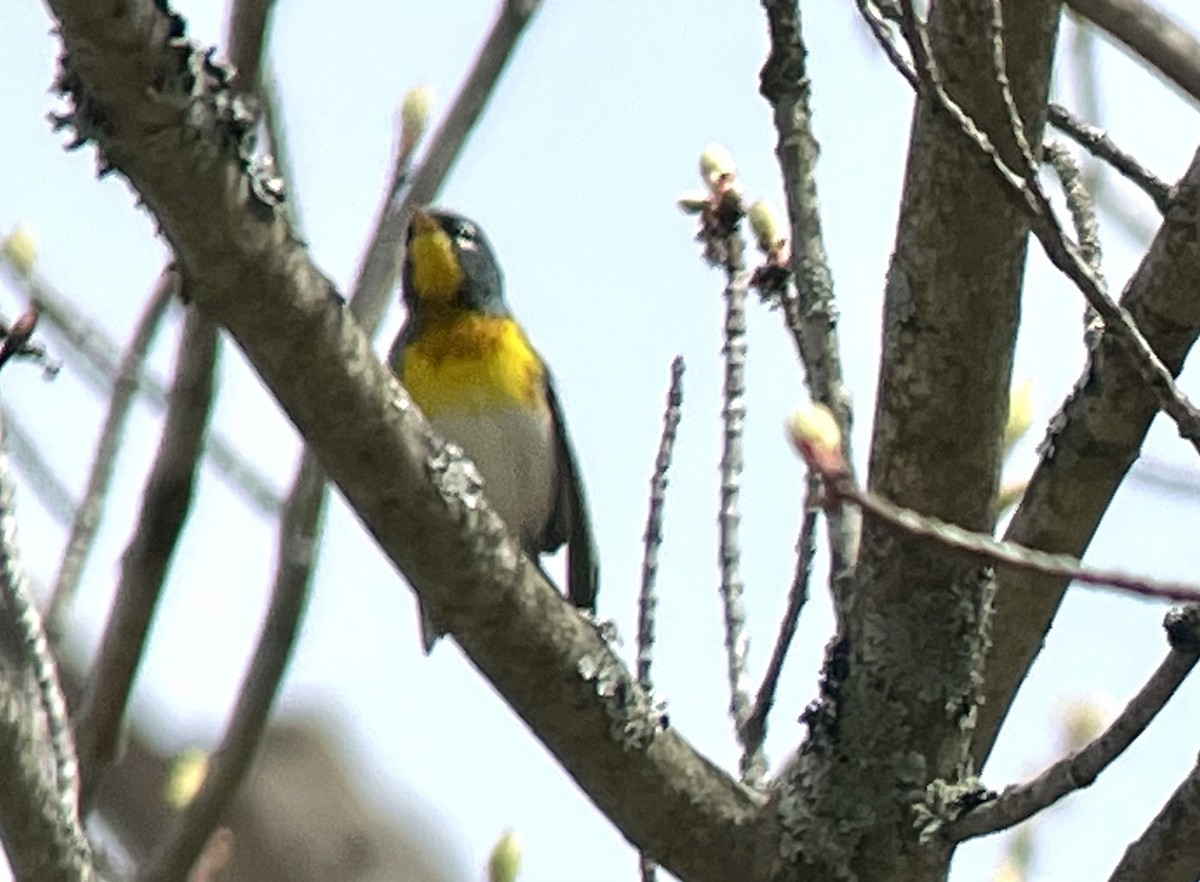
<point>1089,448</point>
<point>647,599</point>
<point>1020,184</point>
<point>99,367</point>
<point>86,520</point>
<point>1079,203</point>
<point>176,142</point>
<point>39,805</point>
<point>41,843</point>
<point>42,478</point>
<point>1151,35</point>
<point>812,315</point>
<point>1166,851</point>
<point>193,832</point>
<point>377,273</point>
<point>840,487</point>
<point>166,502</point>
<point>755,728</point>
<point>1022,801</point>
<point>733,420</point>
<point>950,317</point>
<point>1099,144</point>
<point>304,508</point>
<point>299,529</point>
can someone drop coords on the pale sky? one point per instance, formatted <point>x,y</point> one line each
<point>574,172</point>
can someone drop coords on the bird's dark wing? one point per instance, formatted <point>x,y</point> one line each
<point>569,521</point>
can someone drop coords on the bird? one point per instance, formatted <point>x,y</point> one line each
<point>470,368</point>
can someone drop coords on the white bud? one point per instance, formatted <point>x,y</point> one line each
<point>814,426</point>
<point>716,162</point>
<point>767,225</point>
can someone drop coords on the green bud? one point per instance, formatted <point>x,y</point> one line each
<point>184,777</point>
<point>414,113</point>
<point>693,201</point>
<point>505,859</point>
<point>20,250</point>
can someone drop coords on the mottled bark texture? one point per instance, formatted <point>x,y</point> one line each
<point>1092,442</point>
<point>903,681</point>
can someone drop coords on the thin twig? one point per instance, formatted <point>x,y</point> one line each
<point>99,367</point>
<point>877,22</point>
<point>301,516</point>
<point>166,501</point>
<point>1084,59</point>
<point>16,341</point>
<point>1085,77</point>
<point>1063,566</point>
<point>1166,477</point>
<point>812,314</point>
<point>41,477</point>
<point>184,845</point>
<point>721,214</point>
<point>377,273</point>
<point>36,651</point>
<point>733,414</point>
<point>1026,192</point>
<point>87,516</point>
<point>1079,770</point>
<point>840,487</point>
<point>1080,204</point>
<point>647,599</point>
<point>1016,124</point>
<point>1166,850</point>
<point>755,730</point>
<point>1083,217</point>
<point>299,529</point>
<point>1097,142</point>
<point>1151,35</point>
<point>247,31</point>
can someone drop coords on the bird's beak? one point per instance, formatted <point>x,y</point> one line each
<point>422,221</point>
<point>435,271</point>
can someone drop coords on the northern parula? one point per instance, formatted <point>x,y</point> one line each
<point>470,368</point>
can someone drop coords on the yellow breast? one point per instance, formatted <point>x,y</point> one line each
<point>472,362</point>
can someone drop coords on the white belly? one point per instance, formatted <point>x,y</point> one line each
<point>513,451</point>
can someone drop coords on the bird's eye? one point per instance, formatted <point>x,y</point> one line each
<point>465,236</point>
